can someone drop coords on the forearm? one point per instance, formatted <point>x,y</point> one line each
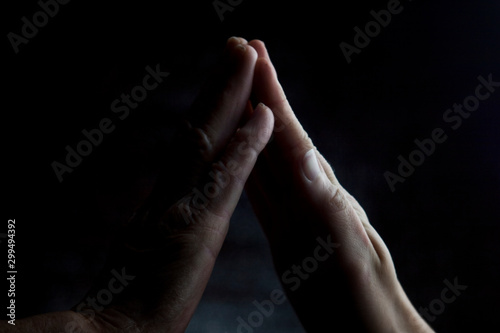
<point>384,315</point>
<point>369,300</point>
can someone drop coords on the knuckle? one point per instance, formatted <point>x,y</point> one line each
<point>304,136</point>
<point>282,99</point>
<point>246,144</point>
<point>337,200</point>
<point>221,174</point>
<point>219,169</point>
<point>183,213</point>
<point>303,142</point>
<point>201,140</point>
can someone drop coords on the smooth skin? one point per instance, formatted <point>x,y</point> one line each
<point>169,247</point>
<point>297,199</point>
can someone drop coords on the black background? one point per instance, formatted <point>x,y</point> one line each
<point>441,223</point>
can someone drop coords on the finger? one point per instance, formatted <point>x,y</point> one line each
<point>333,205</point>
<point>214,118</point>
<point>261,50</point>
<point>327,168</point>
<point>260,47</point>
<point>289,134</point>
<point>217,111</point>
<point>241,155</point>
<point>341,213</point>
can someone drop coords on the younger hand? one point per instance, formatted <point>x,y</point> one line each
<point>337,271</point>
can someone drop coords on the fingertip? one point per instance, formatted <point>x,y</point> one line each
<point>263,67</point>
<point>239,50</point>
<point>266,121</point>
<point>236,40</point>
<point>268,113</point>
<point>232,39</point>
<point>261,107</point>
<point>241,155</point>
<point>257,41</point>
<point>260,47</point>
<point>253,53</point>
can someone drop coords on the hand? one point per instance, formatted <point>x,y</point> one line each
<point>163,259</point>
<point>176,236</point>
<point>336,270</point>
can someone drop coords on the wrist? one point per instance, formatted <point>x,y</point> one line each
<point>161,288</point>
<point>406,318</point>
<point>384,306</point>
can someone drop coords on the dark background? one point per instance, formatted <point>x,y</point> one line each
<point>441,223</point>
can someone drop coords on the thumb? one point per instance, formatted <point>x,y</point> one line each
<point>319,189</point>
<point>330,201</point>
<point>212,203</point>
<point>240,157</point>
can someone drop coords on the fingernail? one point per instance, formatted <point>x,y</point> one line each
<point>310,165</point>
<point>243,40</point>
<point>234,38</point>
<point>239,42</point>
<point>261,105</point>
<point>235,43</point>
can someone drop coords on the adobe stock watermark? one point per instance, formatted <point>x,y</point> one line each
<point>30,28</point>
<point>372,29</point>
<point>453,117</point>
<point>223,6</point>
<point>449,294</point>
<point>103,297</point>
<point>93,137</point>
<point>292,278</point>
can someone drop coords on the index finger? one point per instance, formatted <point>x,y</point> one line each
<point>212,121</point>
<point>289,133</point>
<point>290,136</point>
<point>219,107</point>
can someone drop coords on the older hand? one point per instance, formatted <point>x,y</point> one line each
<point>163,259</point>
